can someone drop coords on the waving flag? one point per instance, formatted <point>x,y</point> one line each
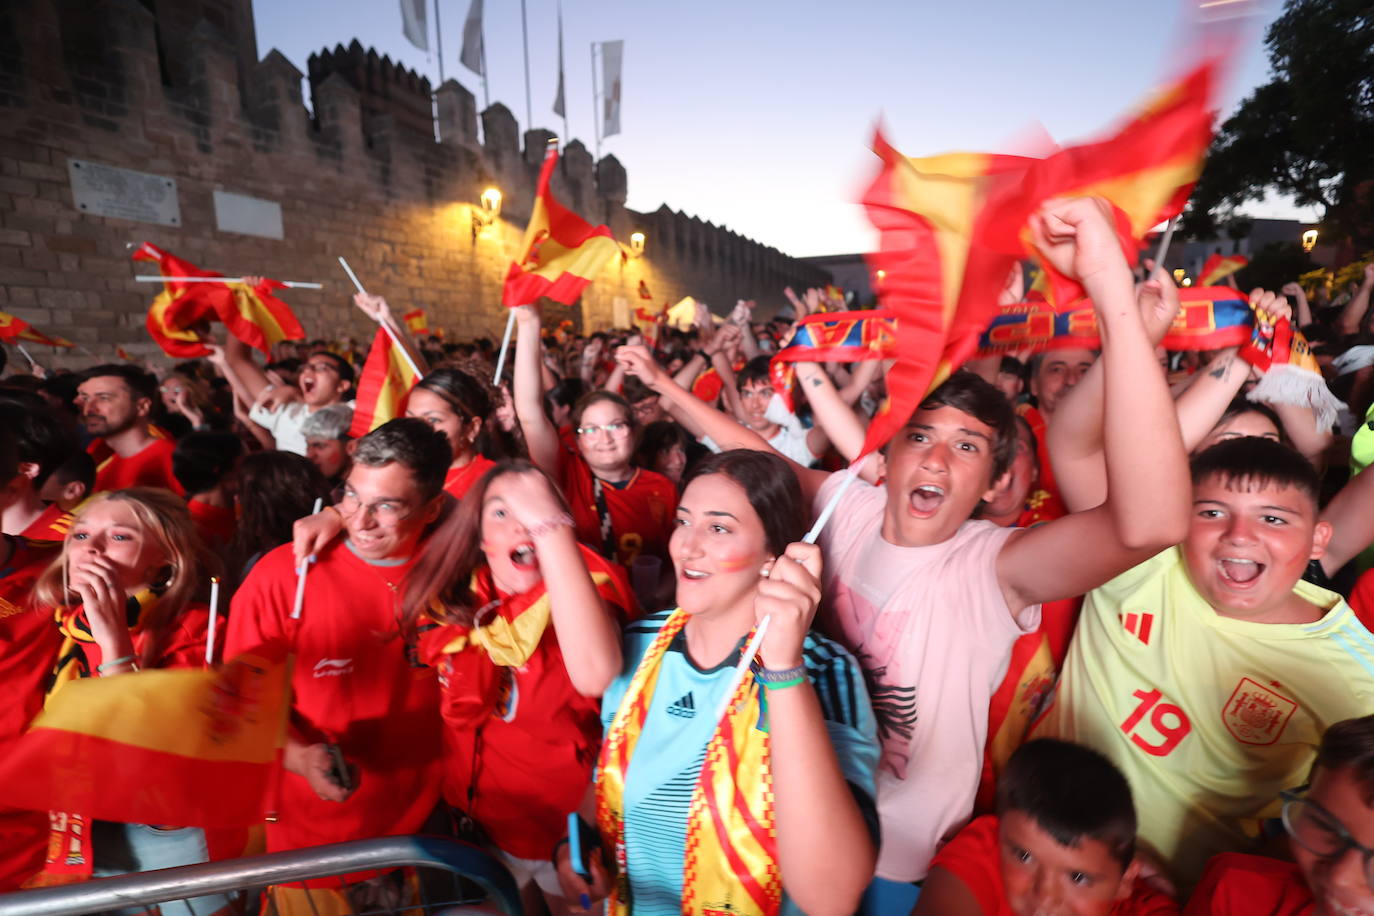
<point>561,252</point>
<point>14,329</point>
<point>941,276</point>
<point>252,314</point>
<point>1218,267</point>
<point>416,321</point>
<point>174,746</point>
<point>385,381</point>
<point>11,326</point>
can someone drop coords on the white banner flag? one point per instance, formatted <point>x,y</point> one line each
<point>558,102</point>
<point>414,23</point>
<point>472,56</point>
<point>612,53</point>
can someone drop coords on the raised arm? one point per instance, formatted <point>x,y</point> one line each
<point>376,308</point>
<point>541,438</point>
<point>1301,308</point>
<point>1353,314</point>
<point>696,415</point>
<point>1148,486</point>
<point>843,427</point>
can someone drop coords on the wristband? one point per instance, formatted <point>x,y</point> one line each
<point>781,676</point>
<point>779,685</point>
<point>116,662</point>
<point>563,520</point>
<point>705,356</point>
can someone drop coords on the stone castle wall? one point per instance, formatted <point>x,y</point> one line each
<point>174,88</point>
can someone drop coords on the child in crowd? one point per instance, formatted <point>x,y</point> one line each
<point>1062,841</point>
<point>1330,825</point>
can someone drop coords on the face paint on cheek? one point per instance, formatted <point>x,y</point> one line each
<point>736,564</point>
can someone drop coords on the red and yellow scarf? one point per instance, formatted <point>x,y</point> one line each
<point>731,857</point>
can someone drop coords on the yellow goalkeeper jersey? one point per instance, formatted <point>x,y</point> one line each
<point>1209,717</point>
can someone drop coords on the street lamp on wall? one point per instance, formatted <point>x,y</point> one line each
<point>1309,240</point>
<point>486,215</point>
<point>636,244</point>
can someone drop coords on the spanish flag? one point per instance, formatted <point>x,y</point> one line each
<point>561,252</point>
<point>186,747</point>
<point>252,314</point>
<point>14,329</point>
<point>1146,169</point>
<point>385,381</point>
<point>941,276</point>
<point>1219,267</point>
<point>416,322</point>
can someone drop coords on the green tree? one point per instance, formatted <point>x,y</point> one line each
<point>1309,131</point>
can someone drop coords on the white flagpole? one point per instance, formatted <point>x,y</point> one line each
<point>32,364</point>
<point>385,327</point>
<point>214,619</point>
<point>439,42</point>
<point>505,345</point>
<point>525,33</point>
<point>750,651</point>
<point>157,278</point>
<point>301,570</point>
<point>596,117</point>
<point>1164,244</point>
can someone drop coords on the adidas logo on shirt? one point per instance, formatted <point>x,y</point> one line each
<point>684,707</point>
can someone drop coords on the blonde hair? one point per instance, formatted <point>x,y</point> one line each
<point>163,516</point>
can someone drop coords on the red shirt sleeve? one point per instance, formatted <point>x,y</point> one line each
<point>1362,599</point>
<point>972,857</point>
<point>1240,885</point>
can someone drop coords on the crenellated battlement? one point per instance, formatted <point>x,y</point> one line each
<point>358,172</point>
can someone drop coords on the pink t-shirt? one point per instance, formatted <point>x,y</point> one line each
<point>933,633</point>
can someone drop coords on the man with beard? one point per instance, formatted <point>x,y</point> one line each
<point>114,402</point>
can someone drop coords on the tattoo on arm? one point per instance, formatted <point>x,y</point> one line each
<point>1221,370</point>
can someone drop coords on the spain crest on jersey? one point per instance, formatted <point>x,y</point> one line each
<point>1256,714</point>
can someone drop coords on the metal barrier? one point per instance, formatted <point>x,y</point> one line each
<point>144,890</point>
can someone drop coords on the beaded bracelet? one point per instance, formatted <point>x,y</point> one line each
<point>563,520</point>
<point>777,679</point>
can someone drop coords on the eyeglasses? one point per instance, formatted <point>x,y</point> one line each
<point>388,513</point>
<point>617,430</point>
<point>1320,832</point>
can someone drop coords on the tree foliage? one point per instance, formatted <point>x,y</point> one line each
<point>1309,131</point>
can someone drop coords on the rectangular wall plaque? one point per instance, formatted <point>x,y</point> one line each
<point>247,215</point>
<point>106,190</point>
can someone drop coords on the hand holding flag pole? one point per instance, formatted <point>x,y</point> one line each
<point>390,332</point>
<point>751,651</point>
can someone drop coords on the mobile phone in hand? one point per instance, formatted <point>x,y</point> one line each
<point>339,773</point>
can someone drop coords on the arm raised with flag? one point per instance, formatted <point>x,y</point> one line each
<point>1148,489</point>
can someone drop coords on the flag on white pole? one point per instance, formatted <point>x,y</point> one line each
<point>558,106</point>
<point>472,57</point>
<point>414,22</point>
<point>612,53</point>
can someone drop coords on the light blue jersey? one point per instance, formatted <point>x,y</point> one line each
<point>672,747</point>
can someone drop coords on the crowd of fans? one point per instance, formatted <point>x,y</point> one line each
<point>1088,636</point>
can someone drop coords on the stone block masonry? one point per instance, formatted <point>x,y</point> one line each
<point>181,94</point>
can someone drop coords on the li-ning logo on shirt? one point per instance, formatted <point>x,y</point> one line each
<point>333,667</point>
<point>684,707</point>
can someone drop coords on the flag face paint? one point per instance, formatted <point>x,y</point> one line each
<point>612,57</point>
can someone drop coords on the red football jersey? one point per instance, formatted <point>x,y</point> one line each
<point>151,467</point>
<point>641,511</point>
<point>458,481</point>
<point>974,857</point>
<point>52,525</point>
<point>519,742</point>
<point>353,684</point>
<point>1241,885</point>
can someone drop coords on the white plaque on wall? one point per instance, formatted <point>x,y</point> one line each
<point>620,312</point>
<point>247,215</point>
<point>106,190</point>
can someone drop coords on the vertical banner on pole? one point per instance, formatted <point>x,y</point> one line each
<point>612,54</point>
<point>414,24</point>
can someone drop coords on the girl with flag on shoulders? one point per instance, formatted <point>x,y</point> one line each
<point>768,809</point>
<point>522,666</point>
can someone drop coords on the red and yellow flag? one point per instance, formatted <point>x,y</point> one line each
<point>383,385</point>
<point>1218,267</point>
<point>941,278</point>
<point>14,329</point>
<point>1146,169</point>
<point>416,321</point>
<point>252,314</point>
<point>181,746</point>
<point>561,252</point>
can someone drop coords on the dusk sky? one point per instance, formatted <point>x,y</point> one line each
<point>756,114</point>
